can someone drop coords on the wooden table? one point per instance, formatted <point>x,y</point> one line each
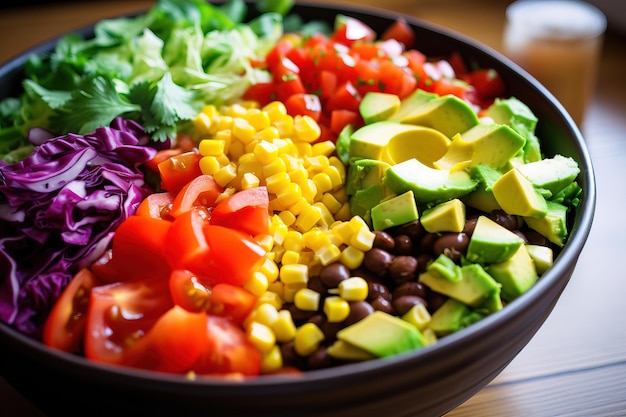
<point>576,363</point>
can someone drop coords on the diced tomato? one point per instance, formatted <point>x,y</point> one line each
<point>346,97</point>
<point>179,170</point>
<point>234,256</point>
<point>120,313</point>
<point>487,82</point>
<point>445,86</point>
<point>232,302</point>
<point>65,326</point>
<point>202,191</point>
<point>139,248</point>
<point>352,30</point>
<point>187,246</point>
<point>161,156</point>
<point>340,118</point>
<point>401,31</point>
<point>188,290</point>
<point>304,104</point>
<point>228,350</point>
<point>246,210</point>
<point>262,93</point>
<point>156,205</point>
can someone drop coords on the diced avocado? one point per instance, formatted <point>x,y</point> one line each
<point>411,102</point>
<point>394,142</point>
<point>516,275</point>
<point>343,143</point>
<point>489,144</point>
<point>363,200</point>
<point>491,242</point>
<point>364,185</point>
<point>492,304</point>
<point>430,186</point>
<point>377,106</point>
<point>474,287</point>
<point>553,226</point>
<point>448,318</point>
<point>517,195</point>
<point>382,334</point>
<point>514,113</point>
<point>543,257</point>
<point>444,217</point>
<point>568,196</point>
<point>446,268</point>
<point>552,174</point>
<point>448,114</point>
<point>346,351</point>
<point>394,211</point>
<point>482,198</point>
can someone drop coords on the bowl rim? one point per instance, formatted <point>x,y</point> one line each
<point>563,265</point>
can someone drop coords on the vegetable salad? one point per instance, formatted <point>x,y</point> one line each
<point>167,186</point>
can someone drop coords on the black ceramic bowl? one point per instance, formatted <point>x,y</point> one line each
<point>428,382</point>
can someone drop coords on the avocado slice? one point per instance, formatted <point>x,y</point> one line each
<point>448,216</point>
<point>346,351</point>
<point>448,318</point>
<point>488,144</point>
<point>430,186</point>
<point>377,106</point>
<point>411,102</point>
<point>364,185</point>
<point>491,242</point>
<point>553,226</point>
<point>394,211</point>
<point>482,198</point>
<point>517,195</point>
<point>514,113</point>
<point>448,114</point>
<point>551,174</point>
<point>542,256</point>
<point>516,275</point>
<point>393,142</point>
<point>473,289</point>
<point>382,335</point>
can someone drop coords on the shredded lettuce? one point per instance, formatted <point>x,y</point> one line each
<point>158,68</point>
<point>59,207</point>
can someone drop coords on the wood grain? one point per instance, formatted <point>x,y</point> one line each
<point>576,363</point>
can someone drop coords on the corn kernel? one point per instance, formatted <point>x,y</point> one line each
<point>266,314</point>
<point>236,149</point>
<point>277,182</point>
<point>336,309</point>
<point>309,190</point>
<point>223,123</point>
<point>290,257</point>
<point>308,338</point>
<point>299,206</point>
<point>315,164</point>
<point>341,195</point>
<point>249,180</point>
<point>307,299</point>
<point>325,148</point>
<point>258,119</point>
<point>353,289</point>
<point>294,274</point>
<point>243,130</point>
<point>326,217</point>
<point>202,123</point>
<point>270,297</point>
<point>236,110</point>
<point>351,257</point>
<point>331,202</point>
<point>271,360</point>
<point>284,126</point>
<point>328,254</point>
<point>304,149</point>
<point>363,239</point>
<point>306,128</point>
<point>290,290</point>
<point>275,110</point>
<point>289,195</point>
<point>335,176</point>
<point>249,147</point>
<point>418,315</point>
<point>209,165</point>
<point>284,328</point>
<point>277,288</point>
<point>299,174</point>
<point>268,134</point>
<point>287,216</point>
<point>314,239</point>
<point>266,241</point>
<point>211,147</point>
<point>225,174</point>
<point>344,212</point>
<point>293,241</point>
<point>278,229</point>
<point>265,152</point>
<point>274,167</point>
<point>323,182</point>
<point>257,284</point>
<point>269,269</point>
<point>210,110</point>
<point>308,218</point>
<point>261,336</point>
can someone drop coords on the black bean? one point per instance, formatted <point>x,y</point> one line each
<point>290,357</point>
<point>455,243</point>
<point>358,311</point>
<point>377,261</point>
<point>504,219</point>
<point>383,240</point>
<point>535,238</point>
<point>413,229</point>
<point>470,225</point>
<point>377,289</point>
<point>409,288</point>
<point>403,246</point>
<point>403,304</point>
<point>425,245</point>
<point>402,269</point>
<point>320,359</point>
<point>315,283</point>
<point>332,274</point>
<point>435,300</point>
<point>298,315</point>
<point>382,304</point>
<point>423,259</point>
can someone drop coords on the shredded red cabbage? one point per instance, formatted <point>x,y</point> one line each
<point>59,208</point>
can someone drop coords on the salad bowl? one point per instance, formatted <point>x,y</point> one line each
<point>427,382</point>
